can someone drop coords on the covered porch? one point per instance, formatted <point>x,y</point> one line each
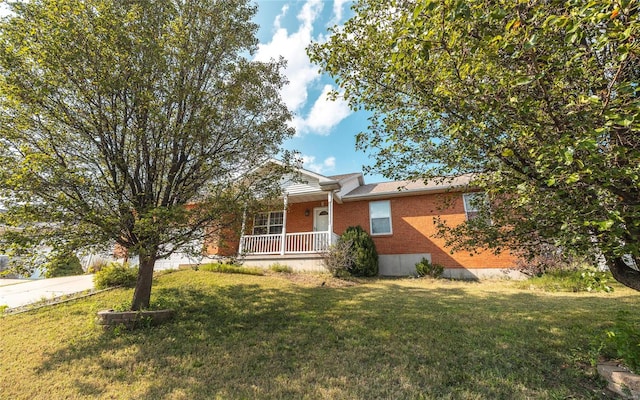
<point>287,243</point>
<point>303,226</point>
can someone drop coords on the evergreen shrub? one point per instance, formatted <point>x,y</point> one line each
<point>365,256</point>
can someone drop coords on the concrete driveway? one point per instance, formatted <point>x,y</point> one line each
<point>21,292</point>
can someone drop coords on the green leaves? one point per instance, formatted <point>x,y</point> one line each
<point>507,152</point>
<point>540,97</point>
<point>116,115</point>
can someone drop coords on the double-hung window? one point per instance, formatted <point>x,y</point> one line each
<point>472,204</point>
<point>268,223</point>
<point>380,217</point>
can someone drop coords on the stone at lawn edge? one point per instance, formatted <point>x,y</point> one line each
<point>621,381</point>
<point>133,319</point>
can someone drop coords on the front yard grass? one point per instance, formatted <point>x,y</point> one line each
<point>242,336</point>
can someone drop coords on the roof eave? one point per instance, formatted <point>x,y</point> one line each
<point>404,193</point>
<point>330,185</point>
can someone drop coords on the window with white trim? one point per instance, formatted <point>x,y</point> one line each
<point>380,217</point>
<point>268,223</point>
<point>472,204</point>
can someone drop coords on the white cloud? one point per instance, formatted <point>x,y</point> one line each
<point>283,13</point>
<point>310,12</point>
<point>337,11</point>
<point>292,46</point>
<point>301,73</point>
<point>328,165</point>
<point>325,114</point>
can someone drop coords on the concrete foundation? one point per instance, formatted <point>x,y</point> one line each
<point>475,274</point>
<point>299,262</point>
<point>400,264</point>
<point>389,265</point>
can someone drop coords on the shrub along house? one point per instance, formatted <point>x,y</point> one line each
<point>316,209</point>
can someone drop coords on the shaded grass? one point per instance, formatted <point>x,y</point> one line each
<point>239,336</point>
<point>577,280</point>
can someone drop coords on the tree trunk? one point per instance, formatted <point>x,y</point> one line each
<point>142,293</point>
<point>624,273</point>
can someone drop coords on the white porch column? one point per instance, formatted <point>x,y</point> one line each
<point>330,207</point>
<point>283,240</point>
<point>244,225</point>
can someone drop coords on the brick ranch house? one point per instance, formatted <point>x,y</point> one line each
<point>316,209</point>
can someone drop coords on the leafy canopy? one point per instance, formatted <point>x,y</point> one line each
<point>539,100</point>
<point>132,122</point>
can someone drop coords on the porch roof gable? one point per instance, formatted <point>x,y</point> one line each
<point>305,185</point>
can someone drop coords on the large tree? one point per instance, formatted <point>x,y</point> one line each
<point>539,100</point>
<point>134,122</point>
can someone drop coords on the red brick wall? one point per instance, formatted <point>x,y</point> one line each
<point>224,243</point>
<point>413,227</point>
<point>414,230</point>
<point>297,221</point>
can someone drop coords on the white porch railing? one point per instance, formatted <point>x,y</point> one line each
<point>295,243</point>
<point>260,244</point>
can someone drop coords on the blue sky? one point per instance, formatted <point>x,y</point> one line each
<point>325,129</point>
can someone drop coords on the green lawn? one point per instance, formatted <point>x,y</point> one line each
<point>286,336</point>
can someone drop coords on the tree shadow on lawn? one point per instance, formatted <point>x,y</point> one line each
<point>391,341</point>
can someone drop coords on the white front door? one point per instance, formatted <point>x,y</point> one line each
<point>320,219</point>
<point>321,224</point>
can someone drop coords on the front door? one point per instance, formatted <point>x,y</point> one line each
<point>320,224</point>
<point>320,219</point>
